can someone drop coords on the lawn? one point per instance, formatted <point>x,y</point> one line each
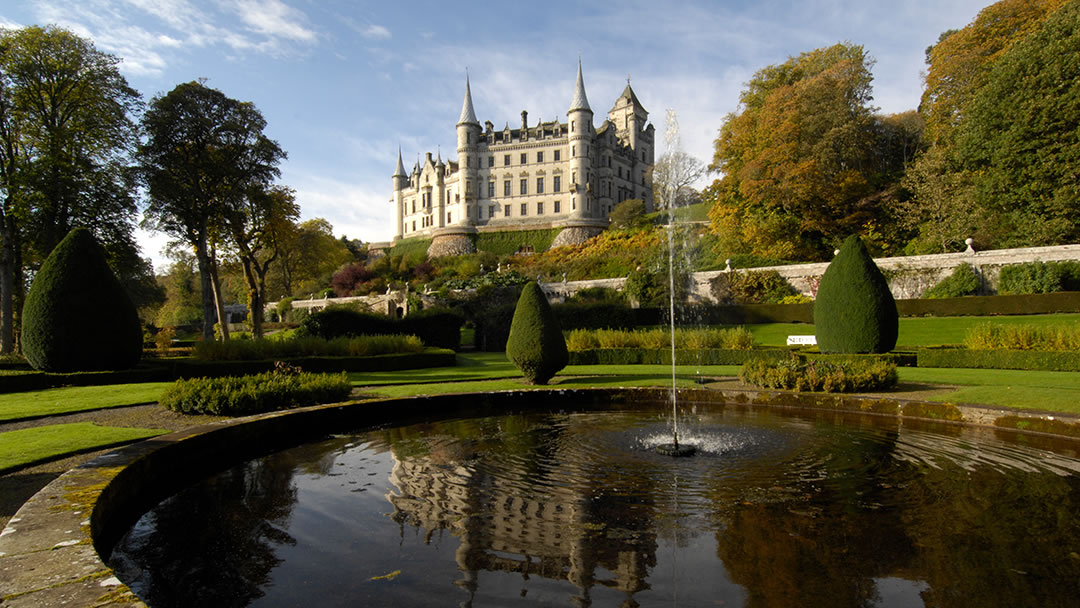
<point>28,446</point>
<point>1036,390</point>
<point>53,401</point>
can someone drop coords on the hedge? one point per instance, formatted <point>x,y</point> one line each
<point>1055,361</point>
<point>833,375</point>
<point>242,395</point>
<point>435,327</point>
<point>644,356</point>
<point>1030,304</point>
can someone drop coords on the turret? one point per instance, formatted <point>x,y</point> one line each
<point>401,180</point>
<point>468,138</point>
<point>580,118</point>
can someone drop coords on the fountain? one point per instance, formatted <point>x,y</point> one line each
<point>671,140</point>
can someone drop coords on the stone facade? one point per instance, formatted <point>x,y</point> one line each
<point>544,175</point>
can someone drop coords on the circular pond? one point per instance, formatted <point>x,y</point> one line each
<point>776,508</point>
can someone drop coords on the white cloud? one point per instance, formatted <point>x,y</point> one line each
<point>375,32</point>
<point>274,19</point>
<point>8,24</point>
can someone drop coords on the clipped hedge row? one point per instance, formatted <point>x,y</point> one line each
<point>736,338</point>
<point>243,395</point>
<point>974,306</point>
<point>256,350</point>
<point>435,327</point>
<point>1055,361</point>
<point>832,375</point>
<point>646,356</point>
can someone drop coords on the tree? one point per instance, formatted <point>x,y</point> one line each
<point>183,303</point>
<point>310,254</point>
<point>628,214</point>
<point>203,153</point>
<point>1019,139</point>
<point>257,229</point>
<point>673,174</point>
<point>801,159</point>
<point>536,344</point>
<point>67,133</point>
<point>854,311</point>
<point>77,316</point>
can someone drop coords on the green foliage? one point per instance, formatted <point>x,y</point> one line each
<point>651,289</point>
<point>591,295</point>
<point>961,282</point>
<point>435,326</point>
<point>804,160</point>
<point>1039,277</point>
<point>536,344</point>
<point>993,336</point>
<point>662,356</point>
<point>628,214</point>
<point>263,349</point>
<point>77,316</point>
<point>1064,361</point>
<point>833,375</point>
<point>511,241</point>
<point>414,249</point>
<point>594,315</point>
<point>855,311</point>
<point>242,395</point>
<point>737,338</point>
<point>752,287</point>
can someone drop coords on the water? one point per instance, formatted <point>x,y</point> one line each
<point>576,509</point>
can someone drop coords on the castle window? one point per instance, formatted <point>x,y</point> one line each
<point>468,162</point>
<point>491,161</point>
<point>414,226</point>
<point>557,155</point>
<point>506,160</point>
<point>557,185</point>
<point>524,209</point>
<point>524,158</point>
<point>539,185</point>
<point>491,189</point>
<point>540,157</point>
<point>414,207</point>
<point>540,208</point>
<point>572,125</point>
<point>556,206</point>
<point>506,211</point>
<point>468,187</point>
<point>448,217</point>
<point>524,186</point>
<point>506,188</point>
<point>491,211</point>
<point>573,150</point>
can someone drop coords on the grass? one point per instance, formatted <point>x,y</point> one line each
<point>53,401</point>
<point>25,447</point>
<point>1035,390</point>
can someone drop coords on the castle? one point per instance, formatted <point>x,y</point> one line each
<point>567,175</point>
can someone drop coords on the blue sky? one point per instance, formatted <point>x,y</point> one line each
<point>342,84</point>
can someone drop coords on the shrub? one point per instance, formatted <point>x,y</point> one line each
<point>164,339</point>
<point>282,388</point>
<point>628,214</point>
<point>595,295</point>
<point>261,350</point>
<point>737,338</point>
<point>536,345</point>
<point>961,282</point>
<point>1039,277</point>
<point>990,336</point>
<point>753,287</point>
<point>438,327</point>
<point>855,311</point>
<point>77,316</point>
<point>833,375</point>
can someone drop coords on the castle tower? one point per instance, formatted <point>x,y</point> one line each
<point>629,117</point>
<point>468,139</point>
<point>401,181</point>
<point>580,117</point>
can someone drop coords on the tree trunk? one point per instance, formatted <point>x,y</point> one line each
<point>255,297</point>
<point>219,304</point>
<point>8,247</point>
<point>207,288</point>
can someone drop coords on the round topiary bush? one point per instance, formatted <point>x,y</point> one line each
<point>536,344</point>
<point>77,316</point>
<point>855,312</point>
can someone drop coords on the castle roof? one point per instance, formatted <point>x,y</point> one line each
<point>580,101</point>
<point>468,115</point>
<point>631,99</point>
<point>400,170</point>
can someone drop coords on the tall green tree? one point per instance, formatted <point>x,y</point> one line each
<point>259,230</point>
<point>67,129</point>
<point>802,158</point>
<point>203,153</point>
<point>310,254</point>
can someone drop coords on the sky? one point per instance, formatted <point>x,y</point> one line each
<point>343,84</point>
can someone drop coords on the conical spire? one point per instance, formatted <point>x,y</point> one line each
<point>468,115</point>
<point>400,170</point>
<point>580,102</point>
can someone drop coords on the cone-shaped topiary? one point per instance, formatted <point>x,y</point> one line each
<point>77,316</point>
<point>855,312</point>
<point>536,344</point>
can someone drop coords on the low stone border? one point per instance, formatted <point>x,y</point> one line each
<point>49,552</point>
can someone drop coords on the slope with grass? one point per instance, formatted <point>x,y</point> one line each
<point>53,401</point>
<point>25,447</point>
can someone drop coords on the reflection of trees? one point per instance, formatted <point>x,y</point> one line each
<point>823,547</point>
<point>524,507</point>
<point>226,559</point>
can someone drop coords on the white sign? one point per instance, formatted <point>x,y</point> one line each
<point>801,340</point>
